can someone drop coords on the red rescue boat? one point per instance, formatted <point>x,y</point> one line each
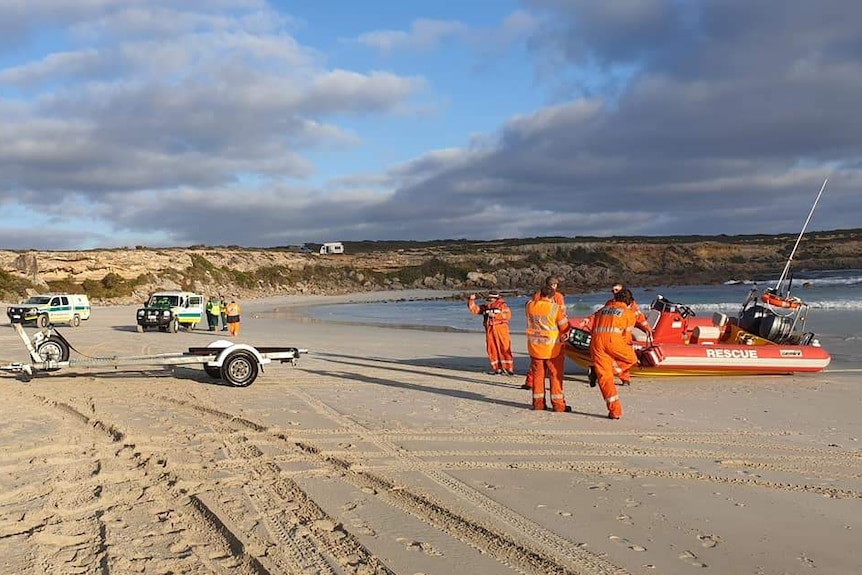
<point>767,337</point>
<point>764,339</point>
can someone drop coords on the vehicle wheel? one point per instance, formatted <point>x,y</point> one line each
<point>42,321</point>
<point>174,326</point>
<point>76,321</point>
<point>191,326</point>
<point>53,349</point>
<point>213,371</point>
<point>239,369</point>
<point>141,329</point>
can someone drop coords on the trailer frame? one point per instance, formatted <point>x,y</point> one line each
<point>238,364</point>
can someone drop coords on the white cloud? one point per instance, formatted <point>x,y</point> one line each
<point>423,34</point>
<point>163,95</point>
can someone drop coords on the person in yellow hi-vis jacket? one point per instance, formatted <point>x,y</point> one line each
<point>233,312</point>
<point>547,328</point>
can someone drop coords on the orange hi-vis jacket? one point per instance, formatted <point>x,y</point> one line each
<point>233,310</point>
<point>640,319</point>
<point>546,320</point>
<point>494,313</point>
<point>615,318</point>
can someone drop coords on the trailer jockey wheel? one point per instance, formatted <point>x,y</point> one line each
<point>239,368</point>
<point>53,349</point>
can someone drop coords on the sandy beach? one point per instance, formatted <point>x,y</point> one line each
<point>391,451</point>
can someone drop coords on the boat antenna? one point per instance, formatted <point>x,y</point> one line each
<point>799,239</point>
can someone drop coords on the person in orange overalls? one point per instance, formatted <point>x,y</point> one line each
<point>233,311</point>
<point>554,282</point>
<point>640,322</point>
<point>610,343</point>
<point>498,343</point>
<point>547,328</point>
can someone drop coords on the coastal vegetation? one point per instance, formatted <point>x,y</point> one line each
<point>584,263</point>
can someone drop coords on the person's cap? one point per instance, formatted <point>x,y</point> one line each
<point>493,295</point>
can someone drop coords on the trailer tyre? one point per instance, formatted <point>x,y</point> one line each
<point>174,326</point>
<point>76,321</point>
<point>240,368</point>
<point>213,371</point>
<point>53,349</point>
<point>42,321</point>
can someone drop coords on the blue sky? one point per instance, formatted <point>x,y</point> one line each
<point>255,123</point>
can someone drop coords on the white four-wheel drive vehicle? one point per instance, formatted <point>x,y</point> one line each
<point>168,310</point>
<point>50,309</point>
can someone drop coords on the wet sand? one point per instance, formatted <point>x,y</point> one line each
<point>391,451</point>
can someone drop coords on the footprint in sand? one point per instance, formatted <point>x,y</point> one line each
<point>691,559</point>
<point>627,543</point>
<point>709,541</point>
<point>426,548</point>
<point>807,561</point>
<point>602,486</point>
<point>632,503</point>
<point>622,517</point>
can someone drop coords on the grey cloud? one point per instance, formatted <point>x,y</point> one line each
<point>212,106</point>
<point>59,239</point>
<point>731,131</point>
<point>623,31</point>
<point>727,120</point>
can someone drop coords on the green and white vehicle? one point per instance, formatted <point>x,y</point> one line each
<point>47,309</point>
<point>168,310</point>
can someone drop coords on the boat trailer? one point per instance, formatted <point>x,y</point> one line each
<point>236,363</point>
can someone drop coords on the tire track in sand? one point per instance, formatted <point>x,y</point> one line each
<point>200,531</point>
<point>522,556</point>
<point>538,541</point>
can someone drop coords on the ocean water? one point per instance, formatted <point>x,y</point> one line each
<point>839,290</point>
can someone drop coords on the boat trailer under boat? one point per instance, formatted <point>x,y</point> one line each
<point>767,338</point>
<point>237,364</point>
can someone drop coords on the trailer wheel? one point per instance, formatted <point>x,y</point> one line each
<point>213,371</point>
<point>174,326</point>
<point>239,369</point>
<point>76,321</point>
<point>53,349</point>
<point>42,321</point>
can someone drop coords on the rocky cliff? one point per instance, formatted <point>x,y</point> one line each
<point>128,275</point>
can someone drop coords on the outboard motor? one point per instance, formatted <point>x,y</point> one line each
<point>775,328</point>
<point>752,317</point>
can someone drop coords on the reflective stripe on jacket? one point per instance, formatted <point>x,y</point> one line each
<point>615,318</point>
<point>494,313</point>
<point>545,321</point>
